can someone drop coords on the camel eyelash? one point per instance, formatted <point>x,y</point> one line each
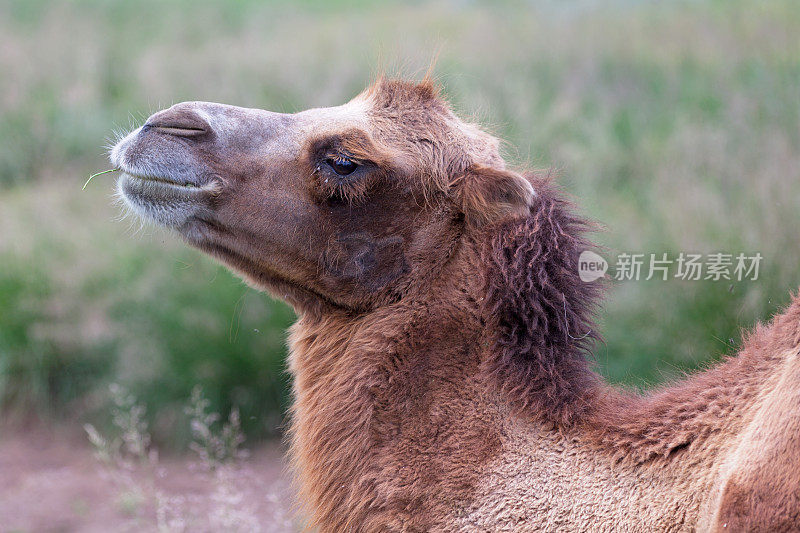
<point>342,178</point>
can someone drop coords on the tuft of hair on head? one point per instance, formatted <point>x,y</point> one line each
<point>430,73</point>
<point>485,195</point>
<point>400,92</point>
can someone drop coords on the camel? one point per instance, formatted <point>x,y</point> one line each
<point>441,360</point>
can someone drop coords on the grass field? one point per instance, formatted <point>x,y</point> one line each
<point>676,125</point>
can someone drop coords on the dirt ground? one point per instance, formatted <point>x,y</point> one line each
<point>51,482</point>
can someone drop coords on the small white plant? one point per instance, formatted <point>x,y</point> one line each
<point>128,453</point>
<point>132,463</point>
<point>214,447</point>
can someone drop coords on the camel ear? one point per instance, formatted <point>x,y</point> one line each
<point>487,195</point>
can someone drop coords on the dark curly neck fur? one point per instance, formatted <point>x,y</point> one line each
<point>541,310</point>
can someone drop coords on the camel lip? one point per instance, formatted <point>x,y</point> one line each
<point>154,193</point>
<point>210,185</point>
<point>165,180</point>
<point>157,191</point>
<point>165,202</point>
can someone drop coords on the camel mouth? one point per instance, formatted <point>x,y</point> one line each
<point>167,185</point>
<point>164,201</point>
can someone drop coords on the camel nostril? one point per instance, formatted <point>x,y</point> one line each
<point>177,121</point>
<point>178,131</point>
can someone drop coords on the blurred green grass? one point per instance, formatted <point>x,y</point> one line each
<point>674,124</point>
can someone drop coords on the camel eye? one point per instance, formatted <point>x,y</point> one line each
<point>342,165</point>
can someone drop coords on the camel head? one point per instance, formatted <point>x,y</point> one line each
<point>352,208</point>
<point>344,207</point>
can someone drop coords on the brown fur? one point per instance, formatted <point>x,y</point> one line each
<point>441,360</point>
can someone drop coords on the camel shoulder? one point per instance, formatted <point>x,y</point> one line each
<point>760,488</point>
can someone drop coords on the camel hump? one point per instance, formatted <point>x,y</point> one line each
<point>760,489</point>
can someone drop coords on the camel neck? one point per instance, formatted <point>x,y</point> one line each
<point>367,389</point>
